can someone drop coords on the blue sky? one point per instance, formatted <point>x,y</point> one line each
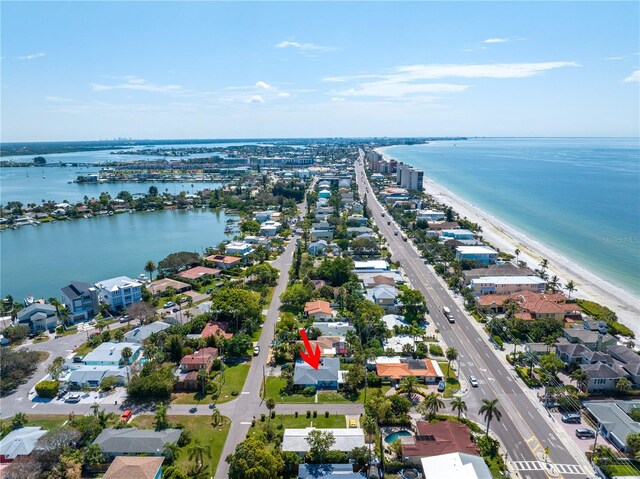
<point>84,71</point>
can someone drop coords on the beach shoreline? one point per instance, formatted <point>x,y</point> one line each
<point>506,238</point>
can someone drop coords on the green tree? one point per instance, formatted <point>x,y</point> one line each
<point>490,410</point>
<point>451,354</point>
<point>161,421</point>
<point>570,287</point>
<point>254,459</point>
<point>126,354</point>
<point>55,368</point>
<point>271,405</point>
<point>17,333</point>
<point>92,455</point>
<point>237,346</point>
<point>236,306</point>
<point>355,377</point>
<point>47,388</point>
<point>414,306</point>
<point>623,385</point>
<point>633,442</point>
<point>153,191</point>
<point>118,335</point>
<point>150,267</point>
<point>262,274</point>
<point>19,420</point>
<point>409,385</point>
<point>250,227</point>
<point>396,448</point>
<point>170,452</point>
<point>335,271</point>
<point>430,406</point>
<point>551,363</point>
<point>581,377</point>
<point>177,261</point>
<point>320,442</point>
<point>197,452</point>
<point>294,298</point>
<point>459,405</point>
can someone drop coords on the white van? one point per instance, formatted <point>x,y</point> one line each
<point>446,311</point>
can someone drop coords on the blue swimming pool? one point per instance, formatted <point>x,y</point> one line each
<point>396,435</point>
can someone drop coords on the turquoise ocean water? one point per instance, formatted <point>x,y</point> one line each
<point>578,196</point>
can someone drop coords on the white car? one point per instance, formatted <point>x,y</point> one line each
<point>473,381</point>
<point>256,350</point>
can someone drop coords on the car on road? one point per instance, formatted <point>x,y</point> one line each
<point>473,381</point>
<point>451,319</point>
<point>395,233</point>
<point>388,222</point>
<point>426,261</point>
<point>256,350</point>
<point>169,304</point>
<point>383,215</point>
<point>441,386</point>
<point>126,415</point>
<point>73,398</point>
<point>193,410</point>
<point>585,433</point>
<point>571,418</point>
<point>352,423</point>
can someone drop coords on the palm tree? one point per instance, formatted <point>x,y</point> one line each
<point>150,267</point>
<point>581,377</point>
<point>216,417</point>
<point>271,404</point>
<point>431,405</point>
<point>161,421</point>
<point>517,252</point>
<point>490,410</point>
<point>459,405</point>
<point>570,287</point>
<point>196,453</point>
<point>451,354</point>
<point>623,385</point>
<point>553,283</point>
<point>126,354</point>
<point>55,368</point>
<point>104,418</point>
<point>170,452</point>
<point>544,264</point>
<point>409,385</point>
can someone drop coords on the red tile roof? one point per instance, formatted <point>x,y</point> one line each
<point>440,438</point>
<point>198,272</point>
<point>315,307</point>
<point>219,258</point>
<point>215,328</point>
<point>401,370</point>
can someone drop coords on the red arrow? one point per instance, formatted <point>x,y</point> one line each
<point>310,357</point>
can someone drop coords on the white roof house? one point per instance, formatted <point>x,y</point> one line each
<point>115,284</point>
<point>370,266</point>
<point>295,440</point>
<point>456,465</point>
<point>398,342</point>
<point>93,375</point>
<point>392,320</point>
<point>238,247</point>
<point>109,354</point>
<point>20,442</point>
<point>476,250</point>
<point>507,284</point>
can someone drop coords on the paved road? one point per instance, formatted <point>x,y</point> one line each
<point>524,430</point>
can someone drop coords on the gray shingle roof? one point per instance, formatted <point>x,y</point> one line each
<point>600,371</point>
<point>327,371</point>
<point>76,289</point>
<point>139,334</point>
<point>135,441</point>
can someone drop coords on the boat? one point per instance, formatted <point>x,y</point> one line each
<point>28,301</point>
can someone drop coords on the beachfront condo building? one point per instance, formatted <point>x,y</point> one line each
<point>507,284</point>
<point>480,254</point>
<point>409,177</point>
<point>119,293</point>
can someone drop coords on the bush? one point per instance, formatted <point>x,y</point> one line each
<point>234,392</point>
<point>308,414</point>
<point>373,380</point>
<point>530,381</point>
<point>498,341</point>
<point>216,365</point>
<point>296,414</point>
<point>435,350</point>
<point>273,414</point>
<point>326,414</point>
<point>315,414</point>
<point>47,388</point>
<point>15,334</point>
<point>262,417</point>
<point>185,438</point>
<point>309,391</point>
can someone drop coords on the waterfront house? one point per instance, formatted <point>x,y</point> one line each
<point>133,441</point>
<point>202,359</point>
<point>614,420</point>
<point>591,339</point>
<point>262,216</point>
<point>456,234</point>
<point>38,316</point>
<point>135,467</point>
<point>430,215</point>
<point>270,228</point>
<point>393,369</point>
<point>573,354</point>
<point>119,293</point>
<point>346,440</point>
<point>496,270</point>
<point>507,284</point>
<point>318,310</point>
<point>258,240</point>
<point>160,286</point>
<point>82,375</point>
<point>628,360</point>
<point>141,333</point>
<point>329,471</point>
<point>199,272</point>
<point>456,465</point>
<point>110,354</point>
<point>224,262</point>
<point>480,254</point>
<point>19,442</point>
<point>325,377</point>
<point>602,378</point>
<point>435,439</point>
<point>238,248</point>
<point>80,300</point>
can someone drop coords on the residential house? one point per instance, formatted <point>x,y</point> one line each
<point>81,375</point>
<point>160,286</point>
<point>591,339</point>
<point>262,216</point>
<point>257,240</point>
<point>135,467</point>
<point>38,316</point>
<point>326,194</point>
<point>329,471</point>
<point>396,343</point>
<point>455,465</point>
<point>318,310</point>
<point>216,328</point>
<point>496,270</point>
<point>573,354</point>
<point>330,345</point>
<point>392,320</point>
<point>629,360</point>
<point>333,329</point>
<point>346,440</point>
<point>385,296</point>
<point>119,293</point>
<point>133,441</point>
<point>430,215</point>
<point>238,248</point>
<point>224,262</point>
<point>391,278</point>
<point>435,439</point>
<point>507,284</point>
<point>456,234</point>
<point>318,234</point>
<point>19,442</point>
<point>110,354</point>
<point>480,254</point>
<point>80,300</point>
<point>614,421</point>
<point>325,377</point>
<point>393,369</point>
<point>200,272</point>
<point>322,247</point>
<point>531,305</point>
<point>140,333</point>
<point>202,359</point>
<point>358,230</point>
<point>323,225</point>
<point>371,266</point>
<point>270,228</point>
<point>358,220</point>
<point>602,378</point>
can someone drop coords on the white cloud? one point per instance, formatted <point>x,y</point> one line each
<point>255,99</point>
<point>634,77</point>
<point>614,58</point>
<point>32,56</point>
<point>495,40</point>
<point>400,88</point>
<point>338,98</point>
<point>263,85</point>
<point>138,84</point>
<point>489,70</point>
<point>303,47</point>
<point>59,99</point>
<point>283,94</point>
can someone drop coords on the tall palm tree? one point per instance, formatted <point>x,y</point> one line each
<point>196,454</point>
<point>544,264</point>
<point>459,405</point>
<point>150,267</point>
<point>431,405</point>
<point>553,283</point>
<point>126,354</point>
<point>581,377</point>
<point>451,354</point>
<point>623,385</point>
<point>409,385</point>
<point>170,452</point>
<point>517,252</point>
<point>490,410</point>
<point>570,287</point>
<point>271,404</point>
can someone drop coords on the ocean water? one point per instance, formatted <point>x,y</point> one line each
<point>578,196</point>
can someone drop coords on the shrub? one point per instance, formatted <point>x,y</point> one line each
<point>326,414</point>
<point>262,417</point>
<point>47,388</point>
<point>308,414</point>
<point>216,365</point>
<point>234,392</point>
<point>435,350</point>
<point>309,391</point>
<point>498,341</point>
<point>530,381</point>
<point>185,438</point>
<point>273,414</point>
<point>296,414</point>
<point>315,414</point>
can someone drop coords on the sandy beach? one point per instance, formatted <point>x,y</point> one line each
<point>506,238</point>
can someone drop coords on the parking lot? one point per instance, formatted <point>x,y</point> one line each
<point>583,444</point>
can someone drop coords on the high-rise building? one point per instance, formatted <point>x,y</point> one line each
<point>409,177</point>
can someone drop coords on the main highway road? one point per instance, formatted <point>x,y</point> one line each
<point>525,430</point>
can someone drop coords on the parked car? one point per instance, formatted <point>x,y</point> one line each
<point>256,350</point>
<point>184,300</point>
<point>169,304</point>
<point>78,358</point>
<point>395,233</point>
<point>175,310</point>
<point>571,418</point>
<point>73,398</point>
<point>585,433</point>
<point>193,410</point>
<point>125,318</point>
<point>126,415</point>
<point>383,215</point>
<point>473,381</point>
<point>441,386</point>
<point>209,291</point>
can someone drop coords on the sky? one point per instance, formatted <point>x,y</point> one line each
<point>172,70</point>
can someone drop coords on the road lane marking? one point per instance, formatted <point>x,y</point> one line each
<point>245,422</point>
<point>245,392</point>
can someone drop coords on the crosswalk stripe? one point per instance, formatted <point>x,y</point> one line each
<point>539,466</point>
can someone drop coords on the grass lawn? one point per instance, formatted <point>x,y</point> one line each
<point>453,385</point>
<point>300,422</point>
<point>40,339</point>
<point>630,469</point>
<point>275,384</point>
<point>234,378</point>
<point>201,429</point>
<point>47,421</point>
<point>42,356</point>
<point>332,397</point>
<point>84,349</point>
